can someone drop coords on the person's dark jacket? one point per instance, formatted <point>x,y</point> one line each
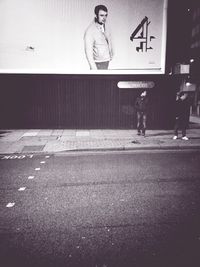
<point>141,104</point>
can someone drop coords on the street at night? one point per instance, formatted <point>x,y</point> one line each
<point>116,209</point>
<point>100,133</point>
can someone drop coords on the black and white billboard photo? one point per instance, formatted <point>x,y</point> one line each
<point>83,36</point>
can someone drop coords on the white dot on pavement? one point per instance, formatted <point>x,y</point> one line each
<point>10,204</point>
<point>37,169</point>
<point>42,162</point>
<point>47,157</point>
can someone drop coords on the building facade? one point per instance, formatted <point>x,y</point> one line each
<point>88,101</point>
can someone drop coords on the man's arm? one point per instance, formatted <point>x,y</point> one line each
<point>111,49</point>
<point>88,43</point>
<point>110,43</point>
<point>177,107</point>
<point>136,104</point>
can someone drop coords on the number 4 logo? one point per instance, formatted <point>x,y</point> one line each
<point>141,33</point>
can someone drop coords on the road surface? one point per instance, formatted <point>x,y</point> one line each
<point>116,209</point>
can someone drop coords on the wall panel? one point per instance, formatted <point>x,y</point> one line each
<point>84,102</point>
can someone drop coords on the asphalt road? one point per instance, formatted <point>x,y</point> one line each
<point>105,209</point>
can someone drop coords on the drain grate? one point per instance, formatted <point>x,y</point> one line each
<point>32,148</point>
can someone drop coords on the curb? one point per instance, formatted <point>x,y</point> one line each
<point>114,149</point>
<point>132,149</point>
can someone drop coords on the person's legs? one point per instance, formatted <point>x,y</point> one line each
<point>176,126</point>
<point>139,115</point>
<point>183,128</point>
<point>102,65</point>
<point>183,131</point>
<point>144,121</point>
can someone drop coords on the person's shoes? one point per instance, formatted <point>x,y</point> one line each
<point>138,133</point>
<point>143,134</point>
<point>175,137</point>
<point>185,138</point>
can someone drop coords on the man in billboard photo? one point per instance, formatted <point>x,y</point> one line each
<point>141,105</point>
<point>97,40</point>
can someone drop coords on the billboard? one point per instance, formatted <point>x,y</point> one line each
<point>63,36</point>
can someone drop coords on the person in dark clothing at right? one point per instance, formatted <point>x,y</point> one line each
<point>182,113</point>
<point>141,109</point>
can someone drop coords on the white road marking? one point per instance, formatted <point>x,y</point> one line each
<point>17,157</point>
<point>31,177</point>
<point>6,157</point>
<point>42,162</point>
<point>47,157</point>
<point>37,169</point>
<point>10,204</point>
<point>21,188</point>
<point>21,157</point>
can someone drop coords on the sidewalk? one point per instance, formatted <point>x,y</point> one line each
<point>53,141</point>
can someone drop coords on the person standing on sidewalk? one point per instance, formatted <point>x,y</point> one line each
<point>182,113</point>
<point>141,105</point>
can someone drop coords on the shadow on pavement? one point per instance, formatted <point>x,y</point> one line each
<point>3,132</point>
<point>160,134</point>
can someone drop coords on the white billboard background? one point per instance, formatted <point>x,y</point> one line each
<point>46,36</point>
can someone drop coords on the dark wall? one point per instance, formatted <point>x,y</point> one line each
<point>85,102</point>
<point>179,32</point>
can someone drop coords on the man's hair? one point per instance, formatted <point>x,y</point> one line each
<point>100,7</point>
